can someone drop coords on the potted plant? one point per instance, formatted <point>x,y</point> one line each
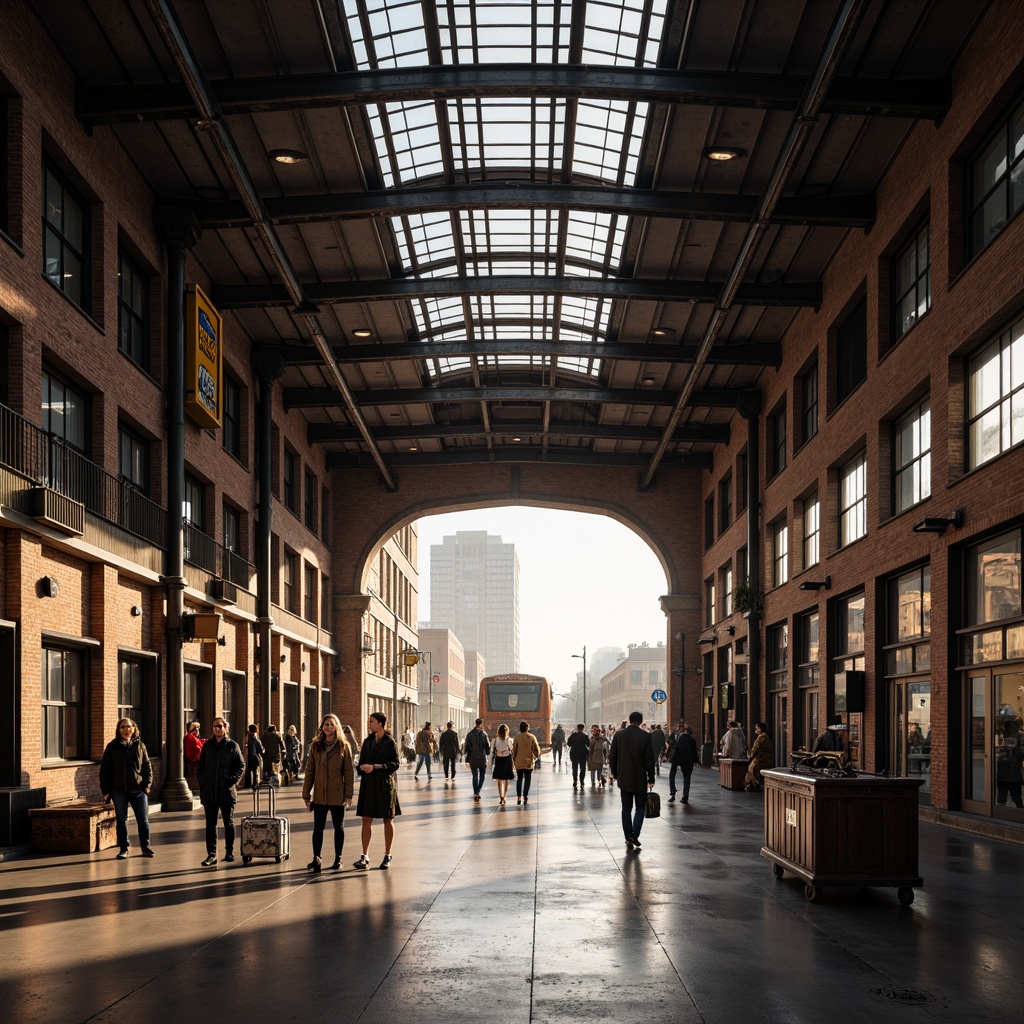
<point>745,598</point>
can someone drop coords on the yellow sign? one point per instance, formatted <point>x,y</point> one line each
<point>204,359</point>
<point>412,658</point>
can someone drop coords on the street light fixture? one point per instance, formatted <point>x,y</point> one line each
<point>584,657</point>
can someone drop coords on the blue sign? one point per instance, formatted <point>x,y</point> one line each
<point>659,696</point>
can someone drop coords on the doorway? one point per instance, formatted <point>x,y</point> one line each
<point>910,728</point>
<point>780,728</point>
<point>994,745</point>
<point>10,734</point>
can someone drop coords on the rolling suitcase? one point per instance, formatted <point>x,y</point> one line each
<point>265,835</point>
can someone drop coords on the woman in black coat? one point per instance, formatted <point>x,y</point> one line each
<point>378,787</point>
<point>126,775</point>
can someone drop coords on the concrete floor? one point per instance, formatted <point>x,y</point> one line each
<point>510,915</point>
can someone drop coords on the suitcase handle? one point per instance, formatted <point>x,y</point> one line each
<point>272,800</point>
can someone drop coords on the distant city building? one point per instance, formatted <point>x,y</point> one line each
<point>389,629</point>
<point>629,685</point>
<point>442,681</point>
<point>474,592</point>
<point>602,661</point>
<point>476,669</point>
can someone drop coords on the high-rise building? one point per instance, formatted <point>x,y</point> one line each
<point>474,592</point>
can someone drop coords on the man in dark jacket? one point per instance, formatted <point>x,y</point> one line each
<point>449,747</point>
<point>273,753</point>
<point>684,756</point>
<point>478,746</point>
<point>659,744</point>
<point>253,758</point>
<point>557,743</point>
<point>220,769</point>
<point>579,751</point>
<point>631,761</point>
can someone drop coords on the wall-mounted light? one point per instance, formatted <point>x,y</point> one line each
<point>48,587</point>
<point>938,524</point>
<point>731,630</point>
<point>284,658</point>
<point>713,639</point>
<point>824,584</point>
<point>136,611</point>
<point>303,666</point>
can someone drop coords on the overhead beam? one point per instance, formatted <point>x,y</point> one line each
<point>825,211</point>
<point>517,453</point>
<point>310,398</point>
<point>742,354</point>
<point>117,104</point>
<point>320,433</point>
<point>404,289</point>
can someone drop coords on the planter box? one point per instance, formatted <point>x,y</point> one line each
<point>732,771</point>
<point>74,828</point>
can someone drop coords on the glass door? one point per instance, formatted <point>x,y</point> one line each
<point>977,796</point>
<point>910,727</point>
<point>1008,745</point>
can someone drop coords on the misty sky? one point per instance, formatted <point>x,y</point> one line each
<point>583,579</point>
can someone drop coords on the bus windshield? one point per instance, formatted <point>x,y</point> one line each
<point>523,697</point>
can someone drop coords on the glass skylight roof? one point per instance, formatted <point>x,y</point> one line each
<point>525,137</point>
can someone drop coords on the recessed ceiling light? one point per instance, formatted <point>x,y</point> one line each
<point>517,439</point>
<point>662,332</point>
<point>287,156</point>
<point>722,153</point>
<point>413,448</point>
<point>648,380</point>
<point>363,332</point>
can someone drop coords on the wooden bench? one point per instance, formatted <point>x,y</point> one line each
<point>732,771</point>
<point>73,828</point>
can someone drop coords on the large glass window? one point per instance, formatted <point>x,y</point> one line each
<point>709,521</point>
<point>725,587</point>
<point>65,237</point>
<point>777,441</point>
<point>291,497</point>
<point>812,531</point>
<point>133,459</point>
<point>132,310</point>
<point>231,434</point>
<point>808,669</point>
<point>995,405</point>
<point>850,633</point>
<point>725,503</point>
<point>993,579</point>
<point>809,404</point>
<point>291,575</point>
<point>309,602</point>
<point>65,411</point>
<point>64,704</point>
<point>852,351</point>
<point>912,455</point>
<point>911,288</point>
<point>309,499</point>
<point>136,699</point>
<point>194,506</point>
<point>995,182</point>
<point>909,622</point>
<point>709,601</point>
<point>853,501</point>
<point>780,537</point>
<point>778,656</point>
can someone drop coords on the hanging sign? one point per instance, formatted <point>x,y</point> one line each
<point>659,696</point>
<point>204,359</point>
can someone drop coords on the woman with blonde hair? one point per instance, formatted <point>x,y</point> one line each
<point>502,771</point>
<point>126,775</point>
<point>329,785</point>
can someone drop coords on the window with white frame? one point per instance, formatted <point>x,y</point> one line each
<point>808,670</point>
<point>725,588</point>
<point>709,601</point>
<point>912,455</point>
<point>812,530</point>
<point>995,402</point>
<point>780,552</point>
<point>853,500</point>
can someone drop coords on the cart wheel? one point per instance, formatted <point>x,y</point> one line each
<point>246,861</point>
<point>812,892</point>
<point>905,895</point>
<point>277,860</point>
<point>777,870</point>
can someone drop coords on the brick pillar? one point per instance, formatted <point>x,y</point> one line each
<point>684,684</point>
<point>348,689</point>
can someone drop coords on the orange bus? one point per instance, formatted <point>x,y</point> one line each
<point>515,698</point>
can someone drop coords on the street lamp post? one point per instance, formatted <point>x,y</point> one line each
<point>584,657</point>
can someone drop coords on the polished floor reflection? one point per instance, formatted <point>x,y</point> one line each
<point>517,914</point>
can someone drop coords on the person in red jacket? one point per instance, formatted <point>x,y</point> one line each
<point>193,748</point>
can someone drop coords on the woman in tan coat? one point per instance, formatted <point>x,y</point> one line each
<point>762,756</point>
<point>328,786</point>
<point>525,751</point>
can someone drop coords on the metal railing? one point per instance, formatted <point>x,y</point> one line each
<point>202,551</point>
<point>50,462</point>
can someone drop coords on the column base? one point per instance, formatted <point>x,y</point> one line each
<point>176,796</point>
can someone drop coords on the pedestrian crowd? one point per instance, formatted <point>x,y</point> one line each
<point>631,756</point>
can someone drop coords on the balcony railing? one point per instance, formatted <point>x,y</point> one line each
<point>202,551</point>
<point>48,461</point>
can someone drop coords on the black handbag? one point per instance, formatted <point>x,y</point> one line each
<point>653,804</point>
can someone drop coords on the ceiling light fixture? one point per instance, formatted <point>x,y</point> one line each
<point>288,156</point>
<point>662,332</point>
<point>647,380</point>
<point>517,439</point>
<point>362,332</point>
<point>722,153</point>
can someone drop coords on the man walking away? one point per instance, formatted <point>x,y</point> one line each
<point>659,744</point>
<point>425,746</point>
<point>684,756</point>
<point>273,754</point>
<point>253,758</point>
<point>631,761</point>
<point>449,746</point>
<point>579,751</point>
<point>478,746</point>
<point>557,743</point>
